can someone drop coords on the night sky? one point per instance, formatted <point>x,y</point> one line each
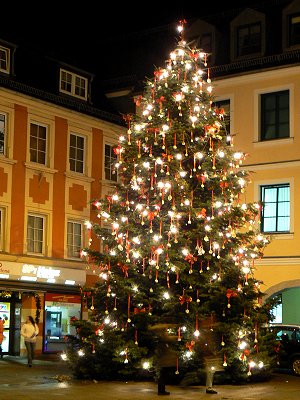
<point>63,21</point>
<point>107,40</point>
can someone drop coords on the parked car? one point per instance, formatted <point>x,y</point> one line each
<point>287,346</point>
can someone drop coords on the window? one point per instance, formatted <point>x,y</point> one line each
<point>74,239</point>
<point>4,60</point>
<point>38,143</point>
<point>104,233</point>
<point>1,229</point>
<point>224,105</point>
<point>206,42</point>
<point>276,208</point>
<point>73,84</point>
<point>76,155</point>
<point>109,160</point>
<point>248,39</point>
<point>35,234</point>
<point>3,133</point>
<point>275,122</point>
<point>294,29</point>
<point>60,310</point>
<point>277,310</point>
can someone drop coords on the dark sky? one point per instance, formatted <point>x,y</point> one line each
<point>61,19</point>
<point>109,31</point>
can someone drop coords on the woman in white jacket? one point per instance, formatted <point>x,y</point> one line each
<point>29,331</point>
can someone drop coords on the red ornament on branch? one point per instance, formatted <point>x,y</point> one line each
<point>185,299</point>
<point>138,100</point>
<point>190,345</point>
<point>190,258</point>
<point>230,293</point>
<point>137,310</point>
<point>117,150</point>
<point>124,269</point>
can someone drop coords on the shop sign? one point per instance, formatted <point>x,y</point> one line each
<point>40,271</point>
<point>62,298</point>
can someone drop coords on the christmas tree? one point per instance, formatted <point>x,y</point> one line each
<point>178,241</point>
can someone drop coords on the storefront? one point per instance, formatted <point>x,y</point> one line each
<point>50,293</point>
<point>60,311</point>
<point>10,312</point>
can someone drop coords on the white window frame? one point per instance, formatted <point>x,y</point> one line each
<point>264,218</point>
<point>73,85</point>
<point>6,51</point>
<point>290,181</point>
<point>104,163</point>
<point>84,153</point>
<point>82,241</point>
<point>102,243</point>
<point>229,98</point>
<point>44,218</point>
<point>257,115</point>
<point>39,124</point>
<point>2,227</point>
<point>4,152</point>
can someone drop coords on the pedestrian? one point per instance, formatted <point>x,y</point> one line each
<point>166,355</point>
<point>212,365</point>
<point>2,322</point>
<point>29,331</point>
<point>212,359</point>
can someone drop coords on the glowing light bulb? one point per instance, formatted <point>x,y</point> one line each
<point>242,345</point>
<point>146,365</point>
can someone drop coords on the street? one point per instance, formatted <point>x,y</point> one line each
<point>52,380</point>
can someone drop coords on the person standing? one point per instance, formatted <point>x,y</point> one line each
<point>166,355</point>
<point>1,335</point>
<point>29,331</point>
<point>212,365</point>
<point>212,359</point>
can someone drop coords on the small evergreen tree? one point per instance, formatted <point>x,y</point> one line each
<point>179,242</point>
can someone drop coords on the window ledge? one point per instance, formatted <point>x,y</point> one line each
<point>78,259</point>
<point>281,236</point>
<point>291,47</point>
<point>274,142</point>
<point>78,176</point>
<point>38,255</point>
<point>249,56</point>
<point>6,160</point>
<point>40,167</point>
<point>108,182</point>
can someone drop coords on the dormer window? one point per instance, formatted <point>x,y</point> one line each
<point>294,30</point>
<point>248,39</point>
<point>206,42</point>
<point>73,84</point>
<point>248,35</point>
<point>4,60</point>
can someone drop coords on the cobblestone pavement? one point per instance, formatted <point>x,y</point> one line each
<point>52,380</point>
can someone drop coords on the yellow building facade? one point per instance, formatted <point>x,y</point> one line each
<point>52,164</point>
<point>272,163</point>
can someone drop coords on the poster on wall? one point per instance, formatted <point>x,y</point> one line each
<point>5,315</point>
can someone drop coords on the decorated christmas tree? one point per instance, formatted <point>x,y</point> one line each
<point>178,243</point>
